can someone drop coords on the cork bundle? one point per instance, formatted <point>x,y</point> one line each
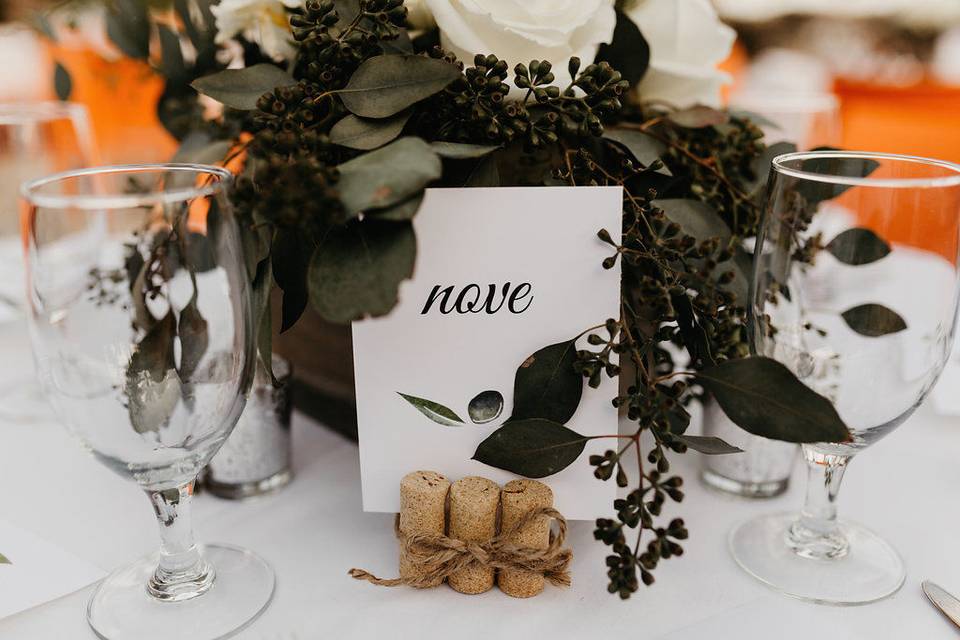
<point>473,535</point>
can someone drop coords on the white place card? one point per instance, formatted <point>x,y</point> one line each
<point>536,251</point>
<point>33,571</point>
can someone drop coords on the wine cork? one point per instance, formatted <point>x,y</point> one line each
<point>518,498</point>
<point>423,500</point>
<point>473,518</point>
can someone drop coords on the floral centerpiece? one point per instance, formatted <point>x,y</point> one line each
<point>337,114</point>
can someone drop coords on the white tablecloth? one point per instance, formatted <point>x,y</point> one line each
<point>907,488</point>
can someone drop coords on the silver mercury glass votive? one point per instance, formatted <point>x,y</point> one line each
<point>255,459</point>
<point>761,471</point>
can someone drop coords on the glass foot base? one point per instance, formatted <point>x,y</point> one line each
<point>871,570</point>
<point>121,608</point>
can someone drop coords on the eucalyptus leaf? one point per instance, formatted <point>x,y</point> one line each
<point>388,175</point>
<point>644,148</point>
<point>628,52</point>
<point>698,117</point>
<point>406,210</point>
<point>696,218</point>
<point>152,385</point>
<point>128,27</point>
<point>761,167</point>
<point>171,56</point>
<point>241,88</point>
<point>385,85</point>
<point>194,339</point>
<point>365,134</point>
<point>858,246</point>
<point>485,173</point>
<point>462,151</point>
<point>4,560</point>
<point>547,386</point>
<point>763,397</point>
<point>433,410</point>
<point>357,270</point>
<point>291,254</point>
<point>263,318</point>
<point>194,152</point>
<point>257,241</point>
<point>695,338</point>
<point>62,83</point>
<point>710,445</point>
<point>815,191</point>
<point>534,448</point>
<point>874,320</point>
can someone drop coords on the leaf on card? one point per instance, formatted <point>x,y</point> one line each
<point>433,410</point>
<point>534,448</point>
<point>547,386</point>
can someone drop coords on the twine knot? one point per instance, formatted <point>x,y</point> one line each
<point>437,557</point>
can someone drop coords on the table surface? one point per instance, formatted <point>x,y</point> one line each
<point>313,531</point>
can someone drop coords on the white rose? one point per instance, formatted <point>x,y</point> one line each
<point>687,42</point>
<point>519,31</point>
<point>265,22</point>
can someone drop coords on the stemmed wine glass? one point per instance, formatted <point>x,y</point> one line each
<point>855,290</point>
<point>143,337</point>
<point>36,139</point>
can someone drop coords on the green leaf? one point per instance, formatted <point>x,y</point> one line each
<point>194,339</point>
<point>710,445</point>
<point>388,175</point>
<point>406,210</point>
<point>628,52</point>
<point>644,148</point>
<point>695,338</point>
<point>698,117</point>
<point>241,88</point>
<point>874,320</point>
<point>815,192</point>
<point>171,56</point>
<point>858,246</point>
<point>62,82</point>
<point>358,268</point>
<point>194,151</point>
<point>462,151</point>
<point>291,255</point>
<point>152,385</point>
<point>486,173</point>
<point>547,385</point>
<point>763,397</point>
<point>388,84</point>
<point>761,167</point>
<point>263,318</point>
<point>533,448</point>
<point>4,560</point>
<point>696,218</point>
<point>128,27</point>
<point>435,411</point>
<point>365,134</point>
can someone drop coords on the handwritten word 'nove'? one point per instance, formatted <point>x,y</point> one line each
<point>471,298</point>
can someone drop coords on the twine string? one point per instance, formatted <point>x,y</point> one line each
<point>437,557</point>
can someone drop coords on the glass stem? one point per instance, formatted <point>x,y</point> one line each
<point>182,573</point>
<point>816,534</point>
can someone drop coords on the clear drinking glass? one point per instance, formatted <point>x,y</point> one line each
<point>877,306</point>
<point>36,139</point>
<point>142,331</point>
